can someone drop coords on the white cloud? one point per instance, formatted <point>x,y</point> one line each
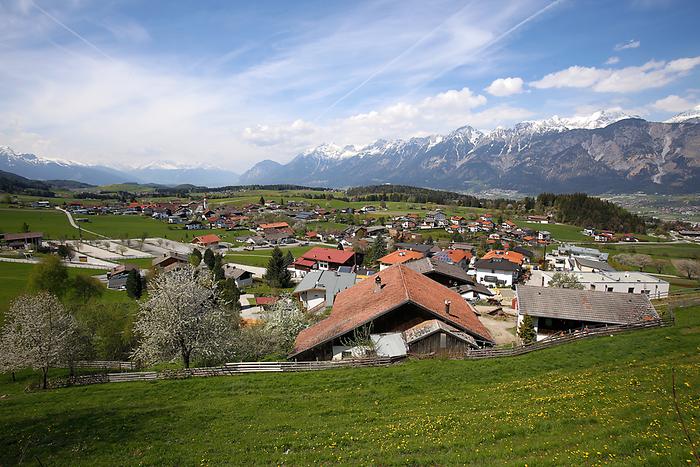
<point>505,87</point>
<point>630,44</point>
<point>297,134</point>
<point>652,74</point>
<point>673,103</point>
<point>572,77</point>
<point>612,60</point>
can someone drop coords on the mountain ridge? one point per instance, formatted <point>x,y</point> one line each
<point>604,152</point>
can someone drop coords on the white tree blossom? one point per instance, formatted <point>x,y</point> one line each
<point>285,320</point>
<point>184,317</point>
<point>38,333</point>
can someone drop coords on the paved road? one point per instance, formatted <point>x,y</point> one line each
<point>73,223</point>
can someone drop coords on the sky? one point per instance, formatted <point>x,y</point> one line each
<point>230,83</point>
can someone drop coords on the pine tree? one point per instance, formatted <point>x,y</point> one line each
<point>378,249</point>
<point>134,285</point>
<point>218,268</point>
<point>277,275</point>
<point>526,330</point>
<point>289,258</point>
<point>196,258</point>
<point>230,293</point>
<point>209,259</point>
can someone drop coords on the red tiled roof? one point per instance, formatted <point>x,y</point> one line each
<point>207,239</point>
<point>304,262</point>
<point>400,256</point>
<point>265,300</point>
<point>361,304</point>
<point>274,225</point>
<point>512,256</point>
<point>330,255</point>
<point>458,255</point>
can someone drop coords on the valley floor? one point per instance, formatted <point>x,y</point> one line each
<point>605,400</point>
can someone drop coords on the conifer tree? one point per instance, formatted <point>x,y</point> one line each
<point>277,275</point>
<point>526,330</point>
<point>134,285</point>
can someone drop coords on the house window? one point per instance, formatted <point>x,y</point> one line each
<point>630,290</point>
<point>592,286</point>
<point>443,340</point>
<point>608,289</point>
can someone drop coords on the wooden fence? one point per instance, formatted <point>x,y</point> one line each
<point>106,365</point>
<point>228,369</point>
<point>569,337</point>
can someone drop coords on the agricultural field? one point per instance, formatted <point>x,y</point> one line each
<point>605,400</point>
<point>52,223</point>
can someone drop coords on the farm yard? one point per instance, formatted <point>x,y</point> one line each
<point>605,400</point>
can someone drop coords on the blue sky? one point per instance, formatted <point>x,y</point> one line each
<point>231,83</point>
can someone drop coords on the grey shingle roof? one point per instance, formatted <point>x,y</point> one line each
<point>590,263</point>
<point>332,282</point>
<point>584,305</point>
<point>497,264</point>
<point>428,265</point>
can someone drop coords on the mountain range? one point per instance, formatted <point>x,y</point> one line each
<point>163,173</point>
<point>606,152</point>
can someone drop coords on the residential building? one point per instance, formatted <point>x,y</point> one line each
<point>390,302</point>
<point>555,310</point>
<point>326,259</point>
<point>629,282</point>
<point>170,261</point>
<point>242,277</point>
<point>512,256</point>
<point>319,288</point>
<point>398,257</point>
<point>497,272</point>
<point>23,240</point>
<point>441,272</point>
<point>207,241</point>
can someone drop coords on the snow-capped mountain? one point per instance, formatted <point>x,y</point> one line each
<point>603,152</point>
<point>160,172</point>
<point>39,168</point>
<point>692,115</point>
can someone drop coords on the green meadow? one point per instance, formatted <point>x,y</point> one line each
<point>602,401</point>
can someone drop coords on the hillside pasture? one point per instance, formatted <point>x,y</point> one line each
<point>605,400</point>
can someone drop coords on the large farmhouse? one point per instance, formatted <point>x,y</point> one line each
<point>557,310</point>
<point>394,300</point>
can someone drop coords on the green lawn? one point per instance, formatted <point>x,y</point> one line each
<point>561,232</point>
<point>260,257</point>
<point>52,223</point>
<point>601,401</point>
<point>14,277</point>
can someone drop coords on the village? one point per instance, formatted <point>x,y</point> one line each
<point>418,283</point>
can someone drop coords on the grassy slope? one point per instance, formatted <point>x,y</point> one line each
<point>605,400</point>
<point>561,232</point>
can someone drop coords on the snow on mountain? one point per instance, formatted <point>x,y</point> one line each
<point>685,116</point>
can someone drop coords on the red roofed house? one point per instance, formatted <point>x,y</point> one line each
<point>273,225</point>
<point>396,300</point>
<point>207,241</point>
<point>325,259</point>
<point>398,257</point>
<point>512,256</point>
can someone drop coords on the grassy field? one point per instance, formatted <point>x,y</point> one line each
<point>561,232</point>
<point>14,278</point>
<point>602,401</point>
<point>53,224</point>
<point>261,257</point>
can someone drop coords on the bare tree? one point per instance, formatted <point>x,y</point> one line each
<point>688,268</point>
<point>183,317</point>
<point>38,333</point>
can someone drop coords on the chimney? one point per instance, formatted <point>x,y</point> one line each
<point>377,284</point>
<point>447,306</point>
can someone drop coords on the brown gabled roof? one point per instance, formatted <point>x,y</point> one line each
<point>22,236</point>
<point>400,256</point>
<point>361,304</point>
<point>584,305</point>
